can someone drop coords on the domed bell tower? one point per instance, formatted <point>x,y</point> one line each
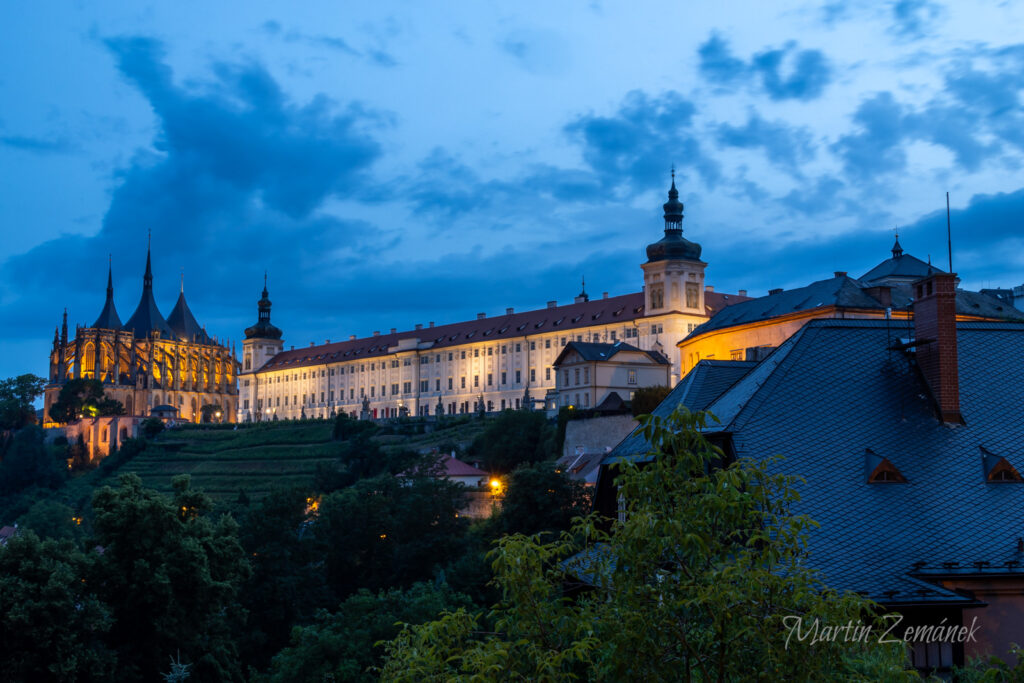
<point>262,342</point>
<point>674,273</point>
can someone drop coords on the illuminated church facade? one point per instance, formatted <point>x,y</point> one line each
<point>489,363</point>
<point>148,361</point>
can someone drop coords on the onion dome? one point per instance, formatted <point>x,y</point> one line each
<point>673,246</point>
<point>108,320</point>
<point>263,329</point>
<point>147,318</point>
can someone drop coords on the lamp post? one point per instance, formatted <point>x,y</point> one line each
<point>217,415</point>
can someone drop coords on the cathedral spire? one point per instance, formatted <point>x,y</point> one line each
<point>64,328</point>
<point>147,278</point>
<point>109,319</point>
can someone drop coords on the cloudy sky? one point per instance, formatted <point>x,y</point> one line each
<point>394,163</point>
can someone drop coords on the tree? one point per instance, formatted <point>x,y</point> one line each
<point>209,412</point>
<point>696,582</point>
<point>152,426</point>
<point>343,646</point>
<point>50,519</point>
<point>513,438</point>
<point>170,576</point>
<point>287,583</point>
<point>388,531</point>
<point>29,462</point>
<point>52,623</point>
<point>646,399</point>
<point>539,498</point>
<point>78,397</point>
<point>16,397</point>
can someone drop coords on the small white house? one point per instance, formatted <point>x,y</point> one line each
<point>588,373</point>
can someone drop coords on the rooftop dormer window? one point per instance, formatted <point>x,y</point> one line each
<point>880,471</point>
<point>998,469</point>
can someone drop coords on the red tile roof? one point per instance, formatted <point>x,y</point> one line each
<point>454,467</point>
<point>616,309</point>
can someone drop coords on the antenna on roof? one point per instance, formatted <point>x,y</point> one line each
<point>949,235</point>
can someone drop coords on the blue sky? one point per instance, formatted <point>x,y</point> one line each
<point>397,163</point>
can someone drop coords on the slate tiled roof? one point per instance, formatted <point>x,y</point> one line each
<point>702,385</point>
<point>613,310</point>
<point>844,292</point>
<point>597,351</point>
<point>580,466</point>
<point>903,266</point>
<point>184,325</point>
<point>835,389</point>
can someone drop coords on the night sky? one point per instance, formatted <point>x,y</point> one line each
<point>398,163</point>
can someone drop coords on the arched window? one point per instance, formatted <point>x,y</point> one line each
<point>88,360</point>
<point>129,404</point>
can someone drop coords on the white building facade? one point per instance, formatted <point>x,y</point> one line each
<point>489,363</point>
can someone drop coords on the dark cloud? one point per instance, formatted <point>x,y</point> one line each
<point>914,19</point>
<point>820,198</point>
<point>784,73</point>
<point>718,65</point>
<point>785,146</point>
<point>877,147</point>
<point>234,182</point>
<point>809,73</point>
<point>634,144</point>
<point>27,143</point>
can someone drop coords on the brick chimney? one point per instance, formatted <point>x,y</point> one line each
<point>935,332</point>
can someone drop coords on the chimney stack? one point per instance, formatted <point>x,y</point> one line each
<point>742,292</point>
<point>935,335</point>
<point>509,311</point>
<point>481,316</point>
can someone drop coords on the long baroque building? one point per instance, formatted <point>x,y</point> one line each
<point>148,361</point>
<point>490,363</point>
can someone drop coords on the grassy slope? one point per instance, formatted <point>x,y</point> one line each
<point>222,462</point>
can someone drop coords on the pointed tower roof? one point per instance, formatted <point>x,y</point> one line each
<point>673,246</point>
<point>109,319</point>
<point>147,317</point>
<point>897,250</point>
<point>263,329</point>
<point>183,323</point>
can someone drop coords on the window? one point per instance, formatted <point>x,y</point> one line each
<point>407,361</point>
<point>303,375</point>
<point>332,396</point>
<point>286,400</point>
<point>406,387</point>
<point>463,381</point>
<point>533,346</point>
<point>449,384</point>
<point>450,356</point>
<point>533,374</point>
<point>657,296</point>
<point>490,351</point>
<point>576,374</point>
<point>518,349</point>
<point>547,343</point>
<point>631,377</point>
<point>547,373</point>
<point>579,337</point>
<point>245,404</point>
<point>692,295</point>
<point>586,400</point>
<point>476,380</point>
<point>630,333</point>
<point>362,392</point>
<point>321,397</point>
<point>504,350</point>
<point>490,379</point>
<point>736,354</point>
<point>373,391</point>
<point>394,388</point>
<point>424,385</point>
<point>437,384</point>
<point>565,377</point>
<point>586,375</point>
<point>352,393</point>
<point>278,401</point>
<point>504,378</point>
<point>519,378</point>
<point>438,359</point>
<point>463,355</point>
<point>424,360</point>
<point>248,362</point>
<point>563,341</point>
<point>612,335</point>
<point>246,382</point>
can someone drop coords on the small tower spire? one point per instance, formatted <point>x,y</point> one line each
<point>64,328</point>
<point>182,280</point>
<point>673,209</point>
<point>147,278</point>
<point>897,250</point>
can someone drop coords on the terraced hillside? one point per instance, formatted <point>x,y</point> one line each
<point>259,458</point>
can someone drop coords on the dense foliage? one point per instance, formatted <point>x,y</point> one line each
<point>16,397</point>
<point>693,583</point>
<point>83,397</point>
<point>646,399</point>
